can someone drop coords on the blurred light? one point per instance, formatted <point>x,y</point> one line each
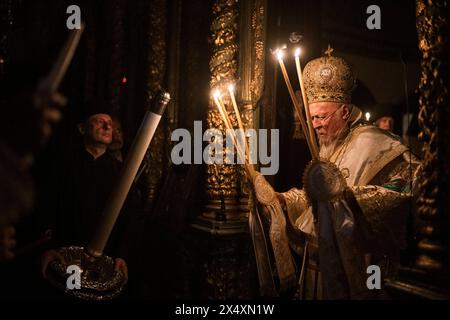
<point>216,94</point>
<point>367,115</point>
<point>124,80</point>
<point>279,53</point>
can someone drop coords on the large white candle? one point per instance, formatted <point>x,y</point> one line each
<point>130,168</point>
<point>223,113</point>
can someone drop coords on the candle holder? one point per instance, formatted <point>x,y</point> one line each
<point>98,279</point>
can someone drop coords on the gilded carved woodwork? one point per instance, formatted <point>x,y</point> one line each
<point>252,61</point>
<point>222,180</point>
<point>238,58</point>
<point>434,119</point>
<point>155,159</point>
<point>258,49</point>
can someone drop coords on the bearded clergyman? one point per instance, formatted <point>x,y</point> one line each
<point>352,210</point>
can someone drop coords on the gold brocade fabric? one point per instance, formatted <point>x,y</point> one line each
<point>382,174</point>
<point>283,259</point>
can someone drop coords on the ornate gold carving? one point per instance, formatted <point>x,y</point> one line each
<point>227,183</point>
<point>434,119</point>
<point>258,50</point>
<point>251,68</point>
<point>223,180</point>
<point>223,63</point>
<point>155,156</point>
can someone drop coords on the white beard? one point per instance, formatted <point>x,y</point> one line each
<point>329,146</point>
<point>327,149</point>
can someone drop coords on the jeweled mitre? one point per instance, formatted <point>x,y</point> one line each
<point>328,79</point>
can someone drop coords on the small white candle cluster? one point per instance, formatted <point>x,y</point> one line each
<point>306,126</point>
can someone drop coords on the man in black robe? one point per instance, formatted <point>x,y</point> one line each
<point>82,189</point>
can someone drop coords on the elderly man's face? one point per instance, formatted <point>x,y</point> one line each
<point>98,128</point>
<point>328,118</point>
<point>386,123</point>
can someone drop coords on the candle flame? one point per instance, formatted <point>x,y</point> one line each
<point>367,116</point>
<point>297,53</point>
<point>231,87</point>
<point>216,93</point>
<point>279,54</point>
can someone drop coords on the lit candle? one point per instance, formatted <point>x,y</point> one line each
<point>295,102</point>
<point>305,100</point>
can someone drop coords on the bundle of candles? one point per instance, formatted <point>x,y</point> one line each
<point>242,150</point>
<point>307,125</point>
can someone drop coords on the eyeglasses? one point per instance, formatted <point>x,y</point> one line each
<point>322,119</point>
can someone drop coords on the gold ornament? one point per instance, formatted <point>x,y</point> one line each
<point>323,181</point>
<point>328,79</point>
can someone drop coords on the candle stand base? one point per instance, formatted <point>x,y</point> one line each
<point>98,279</point>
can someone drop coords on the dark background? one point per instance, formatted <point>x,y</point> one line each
<point>115,46</point>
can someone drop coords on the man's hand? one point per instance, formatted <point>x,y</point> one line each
<point>7,243</point>
<point>47,257</point>
<point>121,266</point>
